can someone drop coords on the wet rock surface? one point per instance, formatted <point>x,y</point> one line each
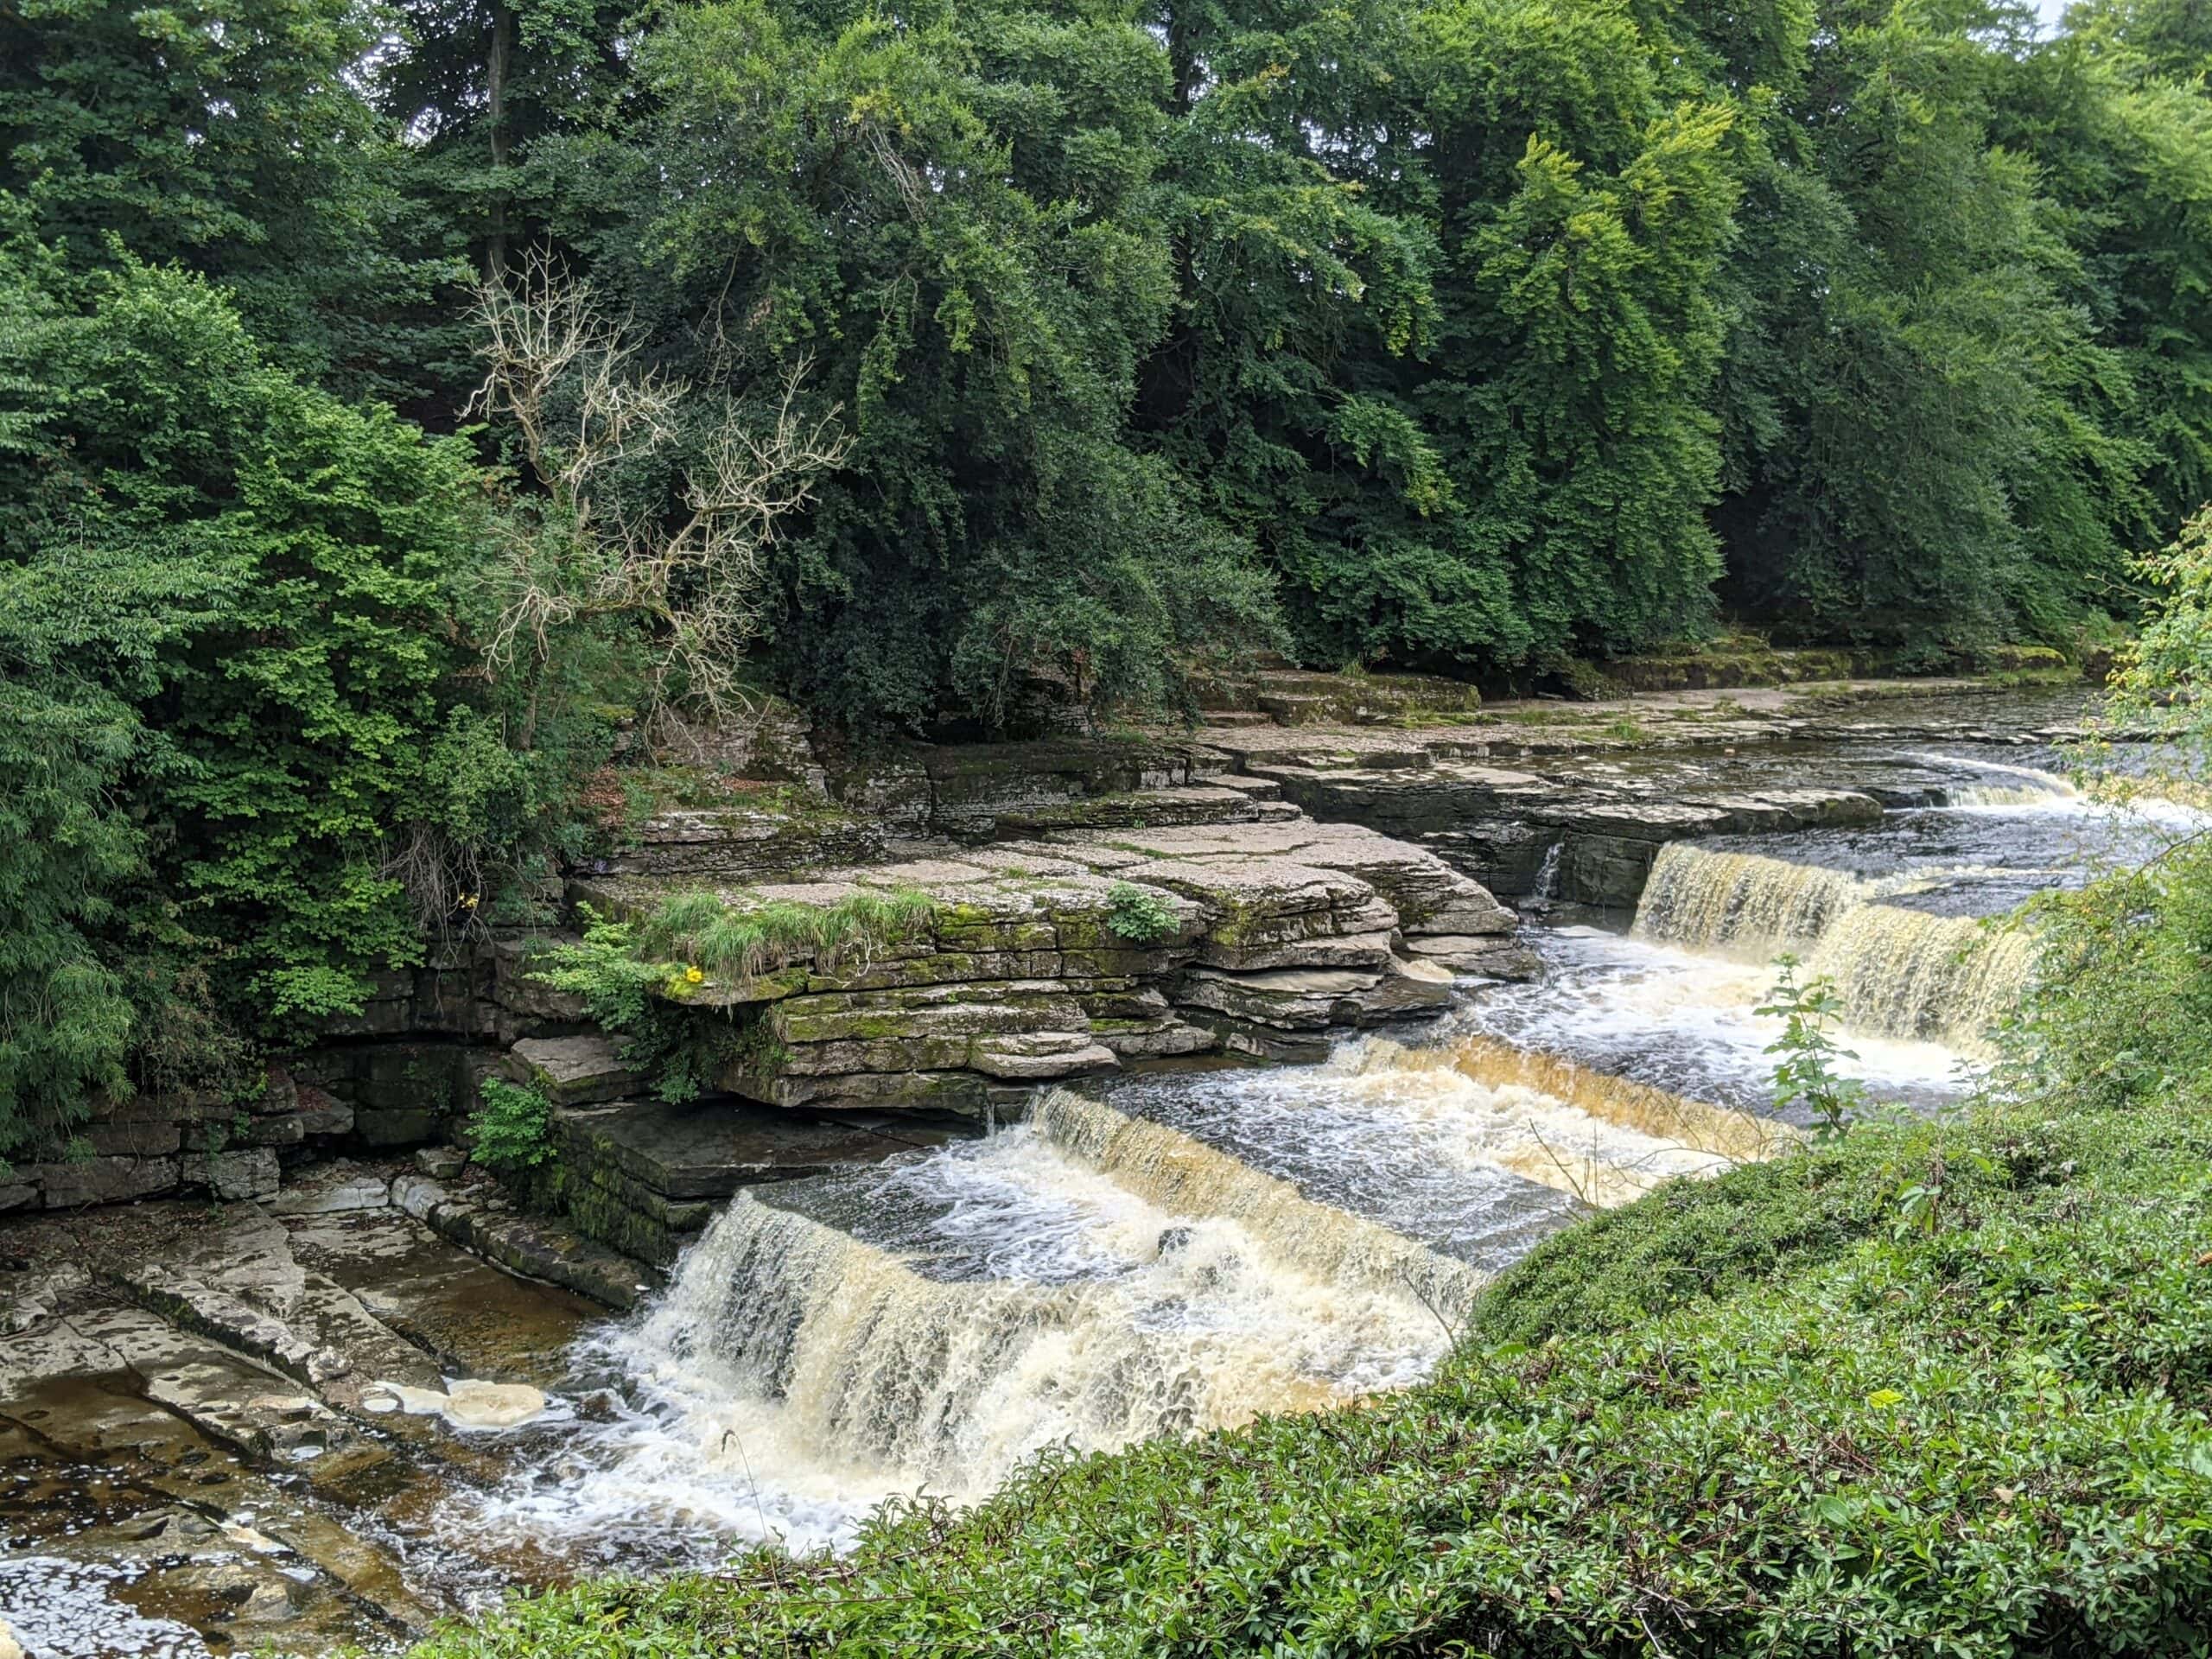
<point>194,1452</point>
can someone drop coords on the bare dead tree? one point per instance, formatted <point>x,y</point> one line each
<point>564,372</point>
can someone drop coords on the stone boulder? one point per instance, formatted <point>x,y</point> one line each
<point>571,1070</point>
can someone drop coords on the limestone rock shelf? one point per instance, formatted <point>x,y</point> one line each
<point>198,1400</point>
<point>1081,950</point>
<point>645,1175</point>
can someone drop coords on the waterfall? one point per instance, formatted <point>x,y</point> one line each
<point>1899,972</point>
<point>1187,1177</point>
<point>793,1376</point>
<point>1904,973</point>
<point>1603,1139</point>
<point>1737,1137</point>
<point>1547,882</point>
<point>1740,901</point>
<point>2009,795</point>
<point>2028,786</point>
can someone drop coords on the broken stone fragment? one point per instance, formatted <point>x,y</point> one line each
<point>332,1192</point>
<point>571,1070</point>
<point>101,1180</point>
<point>1036,1055</point>
<point>323,1112</point>
<point>234,1177</point>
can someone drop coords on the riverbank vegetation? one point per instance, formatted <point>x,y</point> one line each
<point>1781,1413</point>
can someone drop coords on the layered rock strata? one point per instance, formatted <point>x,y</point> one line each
<point>1080,950</point>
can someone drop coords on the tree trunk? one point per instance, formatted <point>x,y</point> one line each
<point>495,80</point>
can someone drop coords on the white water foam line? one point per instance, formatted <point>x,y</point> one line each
<point>2170,803</point>
<point>1629,998</point>
<point>1601,1139</point>
<point>1900,973</point>
<point>794,1378</point>
<point>2029,788</point>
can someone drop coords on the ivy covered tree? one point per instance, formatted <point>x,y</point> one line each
<point>223,642</point>
<point>1926,456</point>
<point>956,223</point>
<point>232,137</point>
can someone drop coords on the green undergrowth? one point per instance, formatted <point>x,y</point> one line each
<point>642,977</point>
<point>737,942</point>
<point>1929,1389</point>
<point>510,1132</point>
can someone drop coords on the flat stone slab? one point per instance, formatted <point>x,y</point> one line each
<point>1314,999</point>
<point>1036,1056</point>
<point>748,842</point>
<point>338,1191</point>
<point>709,1149</point>
<point>537,1247</point>
<point>571,1070</point>
<point>1194,804</point>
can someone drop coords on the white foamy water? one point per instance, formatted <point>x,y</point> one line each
<point>1446,1107</point>
<point>1112,1282</point>
<point>1685,1022</point>
<point>2011,788</point>
<point>1899,973</point>
<point>62,1609</point>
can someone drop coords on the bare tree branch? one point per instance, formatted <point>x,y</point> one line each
<point>563,372</point>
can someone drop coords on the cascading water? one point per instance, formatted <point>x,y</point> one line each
<point>1904,973</point>
<point>1480,1099</point>
<point>1205,1246</point>
<point>2023,786</point>
<point>1741,902</point>
<point>794,1376</point>
<point>1185,1176</point>
<point>1546,885</point>
<point>1672,1120</point>
<point>1899,972</point>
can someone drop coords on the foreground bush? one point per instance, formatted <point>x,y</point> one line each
<point>1938,1388</point>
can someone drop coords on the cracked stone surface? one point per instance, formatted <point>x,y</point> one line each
<point>187,1447</point>
<point>1080,949</point>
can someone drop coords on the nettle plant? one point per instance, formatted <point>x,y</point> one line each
<point>1138,914</point>
<point>1807,1069</point>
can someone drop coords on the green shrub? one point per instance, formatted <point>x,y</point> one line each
<point>639,978</point>
<point>1806,1074</point>
<point>1139,914</point>
<point>223,657</point>
<point>508,1132</point>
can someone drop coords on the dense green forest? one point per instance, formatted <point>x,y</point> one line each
<point>394,402</point>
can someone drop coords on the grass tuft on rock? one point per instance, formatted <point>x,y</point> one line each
<point>738,941</point>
